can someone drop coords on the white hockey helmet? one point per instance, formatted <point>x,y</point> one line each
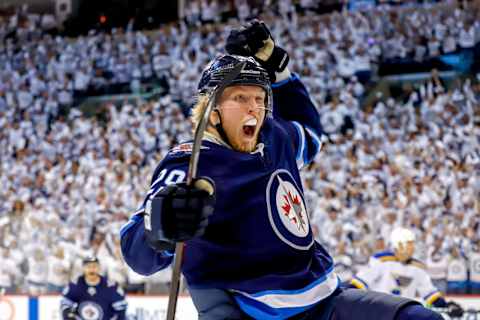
<point>401,236</point>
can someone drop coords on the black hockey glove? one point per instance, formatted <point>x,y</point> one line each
<point>255,40</point>
<point>179,213</point>
<point>454,310</point>
<point>69,314</point>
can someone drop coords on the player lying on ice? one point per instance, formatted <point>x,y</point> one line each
<point>249,249</point>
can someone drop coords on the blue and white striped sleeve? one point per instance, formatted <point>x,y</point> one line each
<point>119,305</point>
<point>293,104</point>
<point>308,144</point>
<point>67,302</point>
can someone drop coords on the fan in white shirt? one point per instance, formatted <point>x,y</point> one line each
<point>37,272</point>
<point>9,271</point>
<point>58,271</point>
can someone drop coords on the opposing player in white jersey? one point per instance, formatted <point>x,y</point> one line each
<point>396,272</point>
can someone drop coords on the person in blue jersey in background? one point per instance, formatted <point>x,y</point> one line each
<point>92,296</point>
<point>249,248</point>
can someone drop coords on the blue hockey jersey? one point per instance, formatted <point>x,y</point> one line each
<point>105,301</point>
<point>259,243</point>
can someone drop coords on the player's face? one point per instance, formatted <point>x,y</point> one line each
<point>405,250</point>
<point>91,269</point>
<point>242,111</point>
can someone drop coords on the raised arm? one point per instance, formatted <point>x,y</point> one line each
<point>292,105</point>
<point>294,108</point>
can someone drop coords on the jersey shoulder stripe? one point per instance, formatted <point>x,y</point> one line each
<point>120,305</point>
<point>358,283</point>
<point>432,297</point>
<point>308,142</point>
<point>385,256</point>
<point>301,144</point>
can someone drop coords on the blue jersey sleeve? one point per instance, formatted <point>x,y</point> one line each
<point>68,302</point>
<point>293,107</point>
<point>135,249</point>
<point>119,304</point>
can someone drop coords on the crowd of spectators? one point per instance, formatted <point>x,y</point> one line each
<point>69,182</point>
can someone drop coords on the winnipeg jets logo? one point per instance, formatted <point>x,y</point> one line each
<point>90,311</point>
<point>287,211</point>
<point>291,205</point>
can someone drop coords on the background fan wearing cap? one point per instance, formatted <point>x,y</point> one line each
<point>93,296</point>
<point>249,249</point>
<point>396,271</point>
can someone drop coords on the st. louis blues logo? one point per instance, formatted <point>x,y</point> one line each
<point>401,281</point>
<point>287,212</point>
<point>89,310</point>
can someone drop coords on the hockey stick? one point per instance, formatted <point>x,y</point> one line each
<point>192,174</point>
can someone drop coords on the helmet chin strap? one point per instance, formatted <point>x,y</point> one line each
<point>219,128</point>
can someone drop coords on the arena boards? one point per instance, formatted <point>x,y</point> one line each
<point>19,307</point>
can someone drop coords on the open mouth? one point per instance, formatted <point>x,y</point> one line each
<point>249,130</point>
<point>249,127</point>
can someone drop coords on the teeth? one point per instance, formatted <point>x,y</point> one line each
<point>251,122</point>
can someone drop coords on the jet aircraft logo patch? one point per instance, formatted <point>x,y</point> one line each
<point>287,212</point>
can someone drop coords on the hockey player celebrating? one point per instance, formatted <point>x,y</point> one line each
<point>92,296</point>
<point>249,248</point>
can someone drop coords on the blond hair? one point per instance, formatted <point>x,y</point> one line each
<point>198,109</point>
